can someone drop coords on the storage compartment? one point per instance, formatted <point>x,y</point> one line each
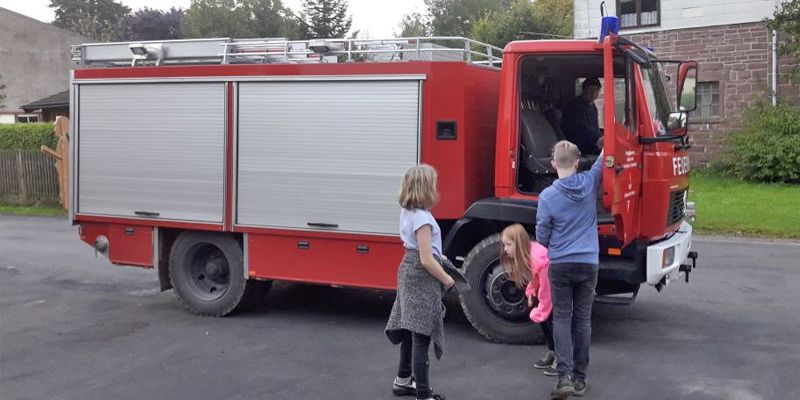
<point>151,150</point>
<point>123,244</point>
<point>326,155</point>
<point>362,262</point>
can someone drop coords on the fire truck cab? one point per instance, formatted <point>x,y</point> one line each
<point>644,238</point>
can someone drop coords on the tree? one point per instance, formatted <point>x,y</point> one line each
<point>787,21</point>
<point>97,19</point>
<point>150,24</point>
<point>521,18</point>
<point>271,19</point>
<point>414,25</point>
<point>457,17</point>
<point>240,19</point>
<point>554,17</point>
<point>500,27</point>
<point>326,18</point>
<point>216,18</point>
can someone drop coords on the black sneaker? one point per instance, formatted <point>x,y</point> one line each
<point>409,389</point>
<point>550,371</point>
<point>564,388</point>
<point>547,362</point>
<point>580,387</point>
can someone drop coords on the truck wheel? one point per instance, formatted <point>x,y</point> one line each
<point>495,306</point>
<point>207,272</point>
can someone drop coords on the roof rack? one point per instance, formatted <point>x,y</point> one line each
<point>284,51</point>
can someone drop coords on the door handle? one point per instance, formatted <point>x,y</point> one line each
<point>322,225</point>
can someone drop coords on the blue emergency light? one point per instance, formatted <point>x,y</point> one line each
<point>609,23</point>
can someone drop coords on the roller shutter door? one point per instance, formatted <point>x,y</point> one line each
<point>152,148</point>
<point>330,153</point>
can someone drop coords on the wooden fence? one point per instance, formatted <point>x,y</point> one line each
<point>27,177</point>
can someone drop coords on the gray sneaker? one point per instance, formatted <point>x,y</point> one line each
<point>564,388</point>
<point>550,371</point>
<point>580,387</point>
<point>547,361</point>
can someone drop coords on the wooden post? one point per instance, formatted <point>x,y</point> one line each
<point>22,179</point>
<point>61,157</point>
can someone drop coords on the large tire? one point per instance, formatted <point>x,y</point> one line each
<point>207,272</point>
<point>495,307</point>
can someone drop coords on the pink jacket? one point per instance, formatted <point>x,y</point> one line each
<point>539,286</point>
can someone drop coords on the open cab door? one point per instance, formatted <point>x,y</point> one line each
<point>622,152</point>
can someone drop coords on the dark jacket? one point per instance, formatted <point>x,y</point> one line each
<point>581,126</point>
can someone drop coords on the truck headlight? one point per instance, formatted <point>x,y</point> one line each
<point>668,257</point>
<point>691,212</point>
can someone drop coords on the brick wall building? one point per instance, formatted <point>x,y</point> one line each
<point>730,42</point>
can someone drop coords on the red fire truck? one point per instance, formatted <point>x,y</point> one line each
<point>226,164</point>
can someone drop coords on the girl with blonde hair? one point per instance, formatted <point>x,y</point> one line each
<point>417,316</point>
<point>526,263</point>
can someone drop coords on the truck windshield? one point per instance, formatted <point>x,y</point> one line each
<point>657,99</point>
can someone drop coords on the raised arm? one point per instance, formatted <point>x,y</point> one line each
<point>596,172</point>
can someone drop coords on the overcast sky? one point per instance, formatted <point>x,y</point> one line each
<point>377,17</point>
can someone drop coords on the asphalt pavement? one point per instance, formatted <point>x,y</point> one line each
<point>73,326</point>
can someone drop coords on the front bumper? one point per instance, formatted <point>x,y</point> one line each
<point>675,250</point>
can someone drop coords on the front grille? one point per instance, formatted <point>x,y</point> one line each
<point>676,207</point>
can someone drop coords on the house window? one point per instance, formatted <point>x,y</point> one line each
<point>708,101</point>
<point>27,118</point>
<point>638,13</point>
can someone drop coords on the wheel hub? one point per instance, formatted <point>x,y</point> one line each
<point>209,273</point>
<point>213,269</point>
<point>503,295</point>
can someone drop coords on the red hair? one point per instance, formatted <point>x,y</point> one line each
<point>518,266</point>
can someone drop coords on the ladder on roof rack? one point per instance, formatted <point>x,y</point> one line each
<point>282,51</point>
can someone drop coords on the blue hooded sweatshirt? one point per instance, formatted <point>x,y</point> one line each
<point>566,219</point>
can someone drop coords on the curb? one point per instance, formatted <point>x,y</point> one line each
<point>748,239</point>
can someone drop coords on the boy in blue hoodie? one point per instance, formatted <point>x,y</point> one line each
<point>566,223</point>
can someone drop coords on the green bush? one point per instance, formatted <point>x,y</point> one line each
<point>26,136</point>
<point>767,148</point>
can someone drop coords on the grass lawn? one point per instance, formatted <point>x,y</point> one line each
<point>44,211</point>
<point>727,206</point>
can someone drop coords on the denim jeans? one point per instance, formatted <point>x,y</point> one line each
<point>572,286</point>
<point>414,358</point>
<point>547,330</point>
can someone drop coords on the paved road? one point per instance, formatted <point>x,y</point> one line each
<point>72,326</point>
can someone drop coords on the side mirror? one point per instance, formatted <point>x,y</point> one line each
<point>677,122</point>
<point>687,83</point>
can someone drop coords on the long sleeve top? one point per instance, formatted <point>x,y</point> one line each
<point>539,286</point>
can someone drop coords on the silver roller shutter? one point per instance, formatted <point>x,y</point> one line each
<point>154,148</point>
<point>325,152</point>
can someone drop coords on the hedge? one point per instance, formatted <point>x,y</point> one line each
<point>27,136</point>
<point>767,147</point>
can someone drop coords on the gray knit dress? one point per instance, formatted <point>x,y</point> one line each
<point>418,306</point>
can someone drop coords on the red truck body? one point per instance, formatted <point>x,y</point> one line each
<point>469,126</point>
